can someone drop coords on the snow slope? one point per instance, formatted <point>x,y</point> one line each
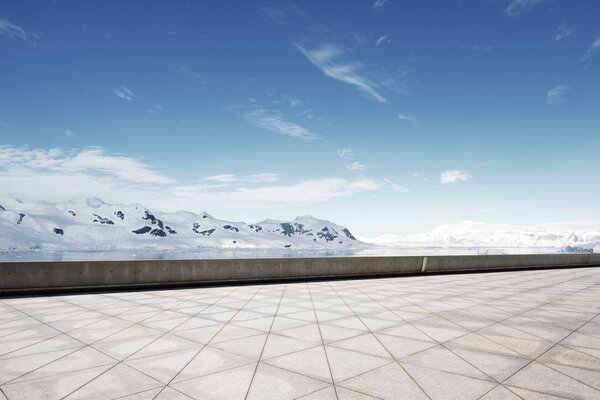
<point>92,224</point>
<point>479,234</point>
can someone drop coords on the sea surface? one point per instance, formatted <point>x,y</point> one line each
<point>373,251</point>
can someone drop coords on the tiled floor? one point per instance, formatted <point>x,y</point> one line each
<point>513,335</point>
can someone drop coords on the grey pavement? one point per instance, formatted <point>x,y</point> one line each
<point>508,335</point>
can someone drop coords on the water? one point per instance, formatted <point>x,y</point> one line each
<point>375,251</point>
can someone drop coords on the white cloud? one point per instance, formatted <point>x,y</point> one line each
<point>394,187</point>
<point>342,153</point>
<point>562,32</point>
<point>591,50</point>
<point>381,40</point>
<point>274,121</point>
<point>308,191</point>
<point>556,95</point>
<point>156,107</point>
<point>292,101</point>
<point>36,175</point>
<point>89,161</point>
<point>224,178</point>
<point>13,31</point>
<point>189,72</point>
<point>378,4</point>
<point>419,176</point>
<point>327,59</point>
<point>405,117</point>
<point>124,93</point>
<point>357,166</point>
<point>265,177</point>
<point>517,7</point>
<point>69,133</point>
<point>453,176</point>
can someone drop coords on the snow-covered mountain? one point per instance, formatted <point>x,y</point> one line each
<point>92,224</point>
<point>479,234</point>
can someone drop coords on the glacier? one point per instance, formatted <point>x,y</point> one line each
<point>488,235</point>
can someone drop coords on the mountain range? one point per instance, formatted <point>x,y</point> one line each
<point>92,224</point>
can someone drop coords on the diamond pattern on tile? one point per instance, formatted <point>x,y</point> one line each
<point>442,359</point>
<point>345,364</point>
<point>540,378</point>
<point>231,384</point>
<point>271,381</point>
<point>116,382</point>
<point>310,362</point>
<point>208,361</point>
<point>445,385</point>
<point>385,383</point>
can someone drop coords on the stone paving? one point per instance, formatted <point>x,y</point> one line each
<point>509,335</point>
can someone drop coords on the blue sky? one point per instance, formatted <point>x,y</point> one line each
<point>387,116</point>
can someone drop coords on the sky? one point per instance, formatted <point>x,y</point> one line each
<point>386,116</point>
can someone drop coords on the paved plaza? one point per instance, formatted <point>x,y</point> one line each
<point>509,335</point>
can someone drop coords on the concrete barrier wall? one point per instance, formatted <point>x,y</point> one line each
<point>26,277</point>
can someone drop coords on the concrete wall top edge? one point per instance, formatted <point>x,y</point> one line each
<point>595,256</point>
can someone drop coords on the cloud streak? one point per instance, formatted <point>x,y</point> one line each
<point>595,46</point>
<point>36,174</point>
<point>89,161</point>
<point>329,59</point>
<point>556,95</point>
<point>381,40</point>
<point>357,166</point>
<point>378,4</point>
<point>265,177</point>
<point>562,32</point>
<point>307,191</point>
<point>274,121</point>
<point>342,153</point>
<point>517,7</point>
<point>124,93</point>
<point>454,176</point>
<point>13,31</point>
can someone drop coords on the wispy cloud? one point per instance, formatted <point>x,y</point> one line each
<point>154,108</point>
<point>517,7</point>
<point>556,95</point>
<point>329,59</point>
<point>381,40</point>
<point>409,119</point>
<point>92,161</point>
<point>591,50</point>
<point>562,32</point>
<point>357,166</point>
<point>453,176</point>
<point>343,153</point>
<point>189,72</point>
<point>283,13</point>
<point>419,176</point>
<point>307,191</point>
<point>124,93</point>
<point>13,31</point>
<point>274,121</point>
<point>35,174</point>
<point>69,133</point>
<point>476,47</point>
<point>378,4</point>
<point>265,177</point>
